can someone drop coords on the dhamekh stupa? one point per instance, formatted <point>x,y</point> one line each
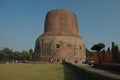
<point>61,39</point>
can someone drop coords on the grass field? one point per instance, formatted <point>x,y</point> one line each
<point>36,72</point>
<point>31,72</point>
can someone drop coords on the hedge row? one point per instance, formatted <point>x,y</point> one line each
<point>85,74</point>
<point>114,68</point>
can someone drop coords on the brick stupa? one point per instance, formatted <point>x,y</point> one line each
<point>60,40</point>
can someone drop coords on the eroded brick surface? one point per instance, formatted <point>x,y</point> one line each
<point>60,40</point>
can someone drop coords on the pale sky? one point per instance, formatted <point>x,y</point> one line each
<point>22,21</point>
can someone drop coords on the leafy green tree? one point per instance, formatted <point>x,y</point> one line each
<point>6,54</point>
<point>1,55</point>
<point>98,47</point>
<point>17,55</point>
<point>24,54</point>
<point>30,54</point>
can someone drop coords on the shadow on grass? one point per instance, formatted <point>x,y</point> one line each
<point>69,74</point>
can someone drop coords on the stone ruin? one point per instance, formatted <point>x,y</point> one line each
<point>60,40</point>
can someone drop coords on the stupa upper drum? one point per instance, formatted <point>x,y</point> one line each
<point>61,22</point>
<point>60,40</point>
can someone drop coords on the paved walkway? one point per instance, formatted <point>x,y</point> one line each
<point>106,73</point>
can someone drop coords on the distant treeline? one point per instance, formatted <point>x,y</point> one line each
<point>7,54</point>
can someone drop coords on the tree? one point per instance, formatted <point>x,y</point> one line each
<point>6,54</point>
<point>108,49</point>
<point>30,54</point>
<point>24,54</point>
<point>89,53</point>
<point>115,53</point>
<point>103,55</point>
<point>1,55</point>
<point>98,47</point>
<point>17,55</point>
<point>112,50</point>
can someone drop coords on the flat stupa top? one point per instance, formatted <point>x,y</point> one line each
<point>61,22</point>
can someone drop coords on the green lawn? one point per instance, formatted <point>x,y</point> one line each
<point>36,72</point>
<point>31,72</point>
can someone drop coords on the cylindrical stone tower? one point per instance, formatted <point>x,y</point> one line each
<point>60,40</point>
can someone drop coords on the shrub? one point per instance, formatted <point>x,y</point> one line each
<point>85,74</point>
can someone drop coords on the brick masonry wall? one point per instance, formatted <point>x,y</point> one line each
<point>61,22</point>
<point>60,39</point>
<point>61,47</point>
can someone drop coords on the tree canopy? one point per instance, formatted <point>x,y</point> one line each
<point>8,54</point>
<point>98,46</point>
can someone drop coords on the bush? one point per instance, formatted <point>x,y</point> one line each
<point>114,68</point>
<point>85,74</point>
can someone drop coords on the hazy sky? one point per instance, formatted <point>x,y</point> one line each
<point>22,21</point>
